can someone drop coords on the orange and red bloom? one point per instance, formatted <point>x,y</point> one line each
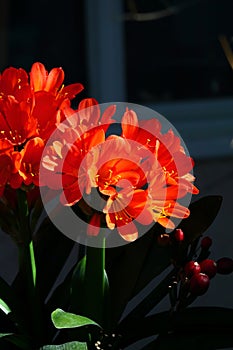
<point>139,176</point>
<point>30,110</point>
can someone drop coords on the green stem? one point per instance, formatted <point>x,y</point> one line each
<point>27,268</point>
<point>95,281</point>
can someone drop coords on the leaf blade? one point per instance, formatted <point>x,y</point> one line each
<point>62,319</point>
<point>74,345</point>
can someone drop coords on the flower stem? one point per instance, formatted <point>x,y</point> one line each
<point>95,281</point>
<point>27,268</point>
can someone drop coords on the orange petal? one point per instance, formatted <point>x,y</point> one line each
<point>70,91</point>
<point>71,195</point>
<point>54,80</point>
<point>107,114</point>
<point>89,111</point>
<point>129,124</point>
<point>167,223</point>
<point>38,76</point>
<point>128,232</point>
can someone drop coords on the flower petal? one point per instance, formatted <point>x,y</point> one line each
<point>38,76</point>
<point>128,232</point>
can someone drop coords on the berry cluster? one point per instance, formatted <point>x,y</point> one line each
<point>198,273</point>
<point>194,268</point>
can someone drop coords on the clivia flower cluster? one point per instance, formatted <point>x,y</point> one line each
<point>31,107</point>
<point>139,174</point>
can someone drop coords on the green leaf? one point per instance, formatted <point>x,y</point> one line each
<point>147,304</point>
<point>20,341</point>
<point>145,327</point>
<point>52,248</point>
<point>4,307</point>
<point>61,295</point>
<point>207,318</point>
<point>8,221</point>
<point>157,260</point>
<point>62,319</point>
<point>124,268</point>
<point>192,341</point>
<point>202,215</point>
<point>90,288</point>
<point>12,303</point>
<point>210,325</point>
<point>2,335</point>
<point>77,286</point>
<point>74,345</point>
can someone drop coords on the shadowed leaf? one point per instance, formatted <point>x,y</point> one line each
<point>202,214</point>
<point>74,345</point>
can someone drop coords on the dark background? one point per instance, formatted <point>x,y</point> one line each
<point>175,57</point>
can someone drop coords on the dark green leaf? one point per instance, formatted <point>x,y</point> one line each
<point>77,286</point>
<point>207,318</point>
<point>192,341</point>
<point>123,269</point>
<point>20,341</point>
<point>8,221</point>
<point>206,326</point>
<point>144,327</point>
<point>157,260</point>
<point>90,286</point>
<point>147,304</point>
<point>61,295</point>
<point>52,249</point>
<point>202,214</point>
<point>2,335</point>
<point>9,298</point>
<point>74,345</point>
<point>62,319</point>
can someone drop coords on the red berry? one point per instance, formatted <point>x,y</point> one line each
<point>225,266</point>
<point>199,284</point>
<point>191,268</point>
<point>206,242</point>
<point>179,235</point>
<point>209,267</point>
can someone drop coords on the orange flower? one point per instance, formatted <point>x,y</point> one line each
<point>166,148</point>
<point>73,140</point>
<point>30,111</point>
<point>139,176</point>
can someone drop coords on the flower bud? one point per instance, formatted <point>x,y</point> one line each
<point>225,266</point>
<point>191,268</point>
<point>179,235</point>
<point>209,267</point>
<point>199,283</point>
<point>206,243</point>
<point>163,240</point>
<point>94,226</point>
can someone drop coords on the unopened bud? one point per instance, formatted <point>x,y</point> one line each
<point>206,242</point>
<point>94,225</point>
<point>179,235</point>
<point>163,240</point>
